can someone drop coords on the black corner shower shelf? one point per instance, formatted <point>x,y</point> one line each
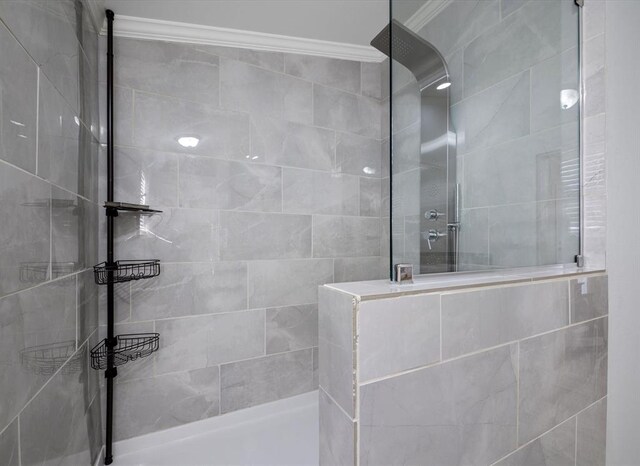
<point>134,208</point>
<point>128,347</point>
<point>126,271</point>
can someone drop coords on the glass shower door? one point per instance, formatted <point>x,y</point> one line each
<point>485,171</point>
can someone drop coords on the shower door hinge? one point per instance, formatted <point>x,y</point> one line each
<point>579,2</point>
<point>580,260</point>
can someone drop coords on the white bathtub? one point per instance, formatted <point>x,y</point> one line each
<point>281,433</point>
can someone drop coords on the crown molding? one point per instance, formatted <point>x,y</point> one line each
<point>172,31</point>
<point>426,13</point>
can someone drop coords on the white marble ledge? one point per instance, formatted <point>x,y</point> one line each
<point>377,289</point>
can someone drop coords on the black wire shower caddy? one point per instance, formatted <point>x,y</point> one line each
<point>116,350</point>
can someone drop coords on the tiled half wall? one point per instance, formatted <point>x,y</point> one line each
<point>512,374</point>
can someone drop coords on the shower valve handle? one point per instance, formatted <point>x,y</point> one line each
<point>432,235</point>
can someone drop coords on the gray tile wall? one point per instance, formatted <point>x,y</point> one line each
<point>517,149</point>
<point>512,374</point>
<point>281,195</point>
<point>50,409</point>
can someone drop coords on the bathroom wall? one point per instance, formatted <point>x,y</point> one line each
<point>49,409</point>
<point>282,194</point>
<point>517,149</point>
<point>623,166</point>
<point>513,373</point>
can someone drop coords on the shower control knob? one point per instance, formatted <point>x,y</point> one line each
<point>432,235</point>
<point>433,214</point>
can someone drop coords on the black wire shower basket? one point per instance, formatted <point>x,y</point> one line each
<point>128,347</point>
<point>126,270</point>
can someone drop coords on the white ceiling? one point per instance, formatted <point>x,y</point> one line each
<point>347,21</point>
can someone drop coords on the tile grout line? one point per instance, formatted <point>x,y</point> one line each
<point>19,443</point>
<point>477,352</point>
<point>575,444</point>
<point>518,396</point>
<point>37,118</point>
<point>77,325</point>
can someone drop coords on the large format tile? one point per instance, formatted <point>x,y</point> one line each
<point>337,434</point>
<point>170,400</point>
<point>25,239</point>
<point>395,335</point>
<point>313,192</point>
<point>589,298</point>
<point>70,223</point>
<point>59,148</point>
<point>335,236</point>
<point>280,142</point>
<point>87,305</point>
<point>592,435</point>
<point>561,373</point>
<point>474,320</point>
<point>246,88</point>
<point>9,445</point>
<point>248,383</point>
<point>357,155</point>
<point>287,282</point>
<point>346,112</point>
<point>191,289</point>
<point>353,269</point>
<point>44,30</point>
<point>273,61</point>
<point>175,235</point>
<point>159,121</point>
<point>496,115</point>
<point>212,340</point>
<point>548,80</point>
<point>56,427</point>
<point>18,109</point>
<point>555,448</point>
<point>291,328</point>
<point>537,233</point>
<point>461,412</point>
<point>524,170</point>
<point>179,70</point>
<point>341,74</point>
<point>336,356</point>
<point>123,114</point>
<point>144,176</point>
<point>473,248</point>
<point>537,31</point>
<point>375,79</point>
<point>219,184</point>
<point>252,236</point>
<point>476,16</point>
<point>594,76</point>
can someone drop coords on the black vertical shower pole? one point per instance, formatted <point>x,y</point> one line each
<point>111,371</point>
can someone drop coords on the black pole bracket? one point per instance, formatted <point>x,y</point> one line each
<point>111,373</point>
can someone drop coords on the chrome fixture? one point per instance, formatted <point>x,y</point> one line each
<point>406,47</point>
<point>433,214</point>
<point>433,235</point>
<point>403,274</point>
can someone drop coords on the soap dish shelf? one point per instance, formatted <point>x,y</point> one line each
<point>128,347</point>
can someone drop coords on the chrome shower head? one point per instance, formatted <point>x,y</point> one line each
<point>419,56</point>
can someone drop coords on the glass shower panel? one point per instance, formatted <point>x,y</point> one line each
<point>485,161</point>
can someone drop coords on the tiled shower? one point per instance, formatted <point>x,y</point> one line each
<point>281,195</point>
<point>308,180</point>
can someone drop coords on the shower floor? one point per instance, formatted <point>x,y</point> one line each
<point>281,433</point>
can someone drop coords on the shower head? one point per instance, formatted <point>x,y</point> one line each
<point>409,49</point>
